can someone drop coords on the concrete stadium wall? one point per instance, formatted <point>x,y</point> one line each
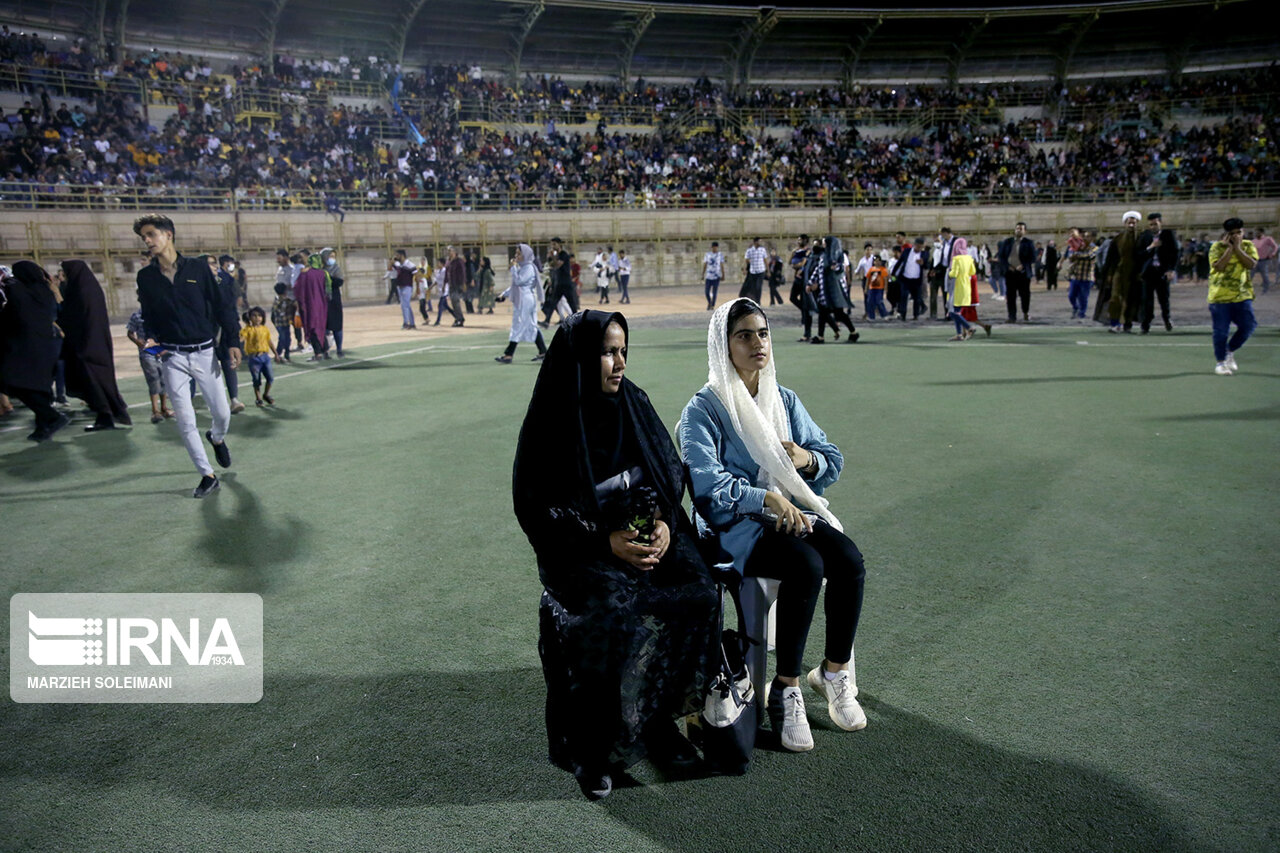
<point>666,245</point>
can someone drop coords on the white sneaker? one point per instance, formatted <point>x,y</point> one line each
<point>839,692</point>
<point>1231,362</point>
<point>786,715</point>
<point>1222,369</point>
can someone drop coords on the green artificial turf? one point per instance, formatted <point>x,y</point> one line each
<point>1069,639</point>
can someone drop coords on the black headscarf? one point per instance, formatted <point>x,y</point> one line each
<point>31,274</point>
<point>572,429</point>
<point>84,317</point>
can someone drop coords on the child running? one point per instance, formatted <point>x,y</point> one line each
<point>259,351</point>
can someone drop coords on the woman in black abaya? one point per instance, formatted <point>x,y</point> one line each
<point>28,335</point>
<point>625,628</point>
<point>87,349</point>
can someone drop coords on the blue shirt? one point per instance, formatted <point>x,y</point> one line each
<point>724,477</point>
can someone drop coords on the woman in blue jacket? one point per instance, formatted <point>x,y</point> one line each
<point>758,465</point>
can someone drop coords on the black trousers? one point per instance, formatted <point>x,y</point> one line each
<point>570,294</point>
<point>1017,286</point>
<point>775,298</point>
<point>800,299</point>
<point>801,564</point>
<point>1154,287</point>
<point>39,402</point>
<point>752,286</point>
<point>833,317</point>
<point>511,345</point>
<point>937,285</point>
<point>913,289</point>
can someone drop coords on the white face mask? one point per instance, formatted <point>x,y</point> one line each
<point>231,267</point>
<point>331,261</point>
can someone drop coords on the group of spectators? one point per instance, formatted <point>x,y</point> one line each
<point>317,150</point>
<point>337,150</point>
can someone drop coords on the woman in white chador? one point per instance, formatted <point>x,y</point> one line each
<point>524,295</point>
<point>600,266</point>
<point>758,466</point>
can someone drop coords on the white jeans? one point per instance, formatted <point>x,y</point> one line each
<point>179,369</point>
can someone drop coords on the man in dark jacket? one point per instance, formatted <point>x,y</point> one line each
<point>1018,255</point>
<point>1159,248</point>
<point>455,275</point>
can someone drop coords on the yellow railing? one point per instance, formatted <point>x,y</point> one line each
<point>28,196</point>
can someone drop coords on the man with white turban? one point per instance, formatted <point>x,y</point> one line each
<point>1122,270</point>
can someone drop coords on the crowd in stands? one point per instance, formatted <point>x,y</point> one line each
<point>316,148</point>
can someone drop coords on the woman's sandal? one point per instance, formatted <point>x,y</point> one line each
<point>271,401</point>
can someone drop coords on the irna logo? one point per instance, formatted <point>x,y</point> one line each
<point>91,641</point>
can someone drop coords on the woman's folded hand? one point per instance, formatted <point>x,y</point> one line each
<point>643,557</point>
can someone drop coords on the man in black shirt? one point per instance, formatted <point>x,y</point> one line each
<point>561,280</point>
<point>185,308</point>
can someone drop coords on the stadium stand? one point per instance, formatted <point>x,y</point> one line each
<point>312,119</point>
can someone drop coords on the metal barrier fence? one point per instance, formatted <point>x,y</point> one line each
<point>40,196</point>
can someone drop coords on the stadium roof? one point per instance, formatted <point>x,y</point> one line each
<point>739,42</point>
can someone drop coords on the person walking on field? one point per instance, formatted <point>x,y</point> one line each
<point>753,262</point>
<point>712,272</point>
<point>1159,247</point>
<point>1121,271</point>
<point>1018,257</point>
<point>1231,262</point>
<point>184,309</point>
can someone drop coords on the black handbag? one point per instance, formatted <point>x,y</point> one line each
<point>729,716</point>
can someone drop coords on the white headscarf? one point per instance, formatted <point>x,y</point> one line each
<point>526,255</point>
<point>761,422</point>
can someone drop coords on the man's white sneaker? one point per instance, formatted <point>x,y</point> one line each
<point>1222,369</point>
<point>786,715</point>
<point>839,692</point>
<point>1231,362</point>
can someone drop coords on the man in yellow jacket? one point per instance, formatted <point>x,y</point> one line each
<point>1231,263</point>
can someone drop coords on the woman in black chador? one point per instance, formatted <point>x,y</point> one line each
<point>28,353</point>
<point>91,368</point>
<point>625,628</point>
